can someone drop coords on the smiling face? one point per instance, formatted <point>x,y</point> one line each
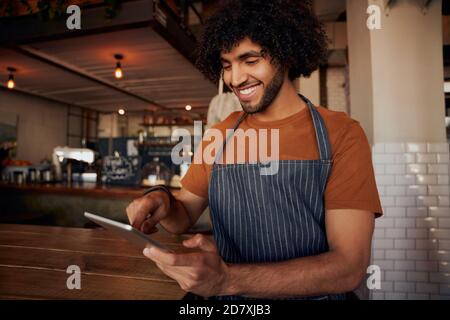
<point>251,75</point>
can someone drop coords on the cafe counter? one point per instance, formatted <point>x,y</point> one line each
<point>63,205</point>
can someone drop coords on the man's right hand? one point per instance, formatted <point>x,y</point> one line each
<point>146,212</point>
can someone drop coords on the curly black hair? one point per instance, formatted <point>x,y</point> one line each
<point>287,30</point>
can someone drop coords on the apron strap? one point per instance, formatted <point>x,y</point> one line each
<point>323,143</point>
<point>319,127</point>
<point>235,126</point>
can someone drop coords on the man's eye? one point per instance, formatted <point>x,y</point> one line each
<point>226,67</point>
<point>251,62</point>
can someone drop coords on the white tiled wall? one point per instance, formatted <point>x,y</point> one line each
<point>412,240</point>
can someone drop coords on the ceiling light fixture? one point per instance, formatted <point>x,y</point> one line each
<point>121,112</point>
<point>188,107</point>
<point>11,84</point>
<point>118,72</point>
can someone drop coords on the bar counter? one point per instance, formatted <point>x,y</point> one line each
<point>63,205</point>
<point>34,262</point>
<point>77,189</point>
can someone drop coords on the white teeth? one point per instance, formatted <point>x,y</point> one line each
<point>248,91</point>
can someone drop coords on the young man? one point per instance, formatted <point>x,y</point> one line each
<point>304,231</point>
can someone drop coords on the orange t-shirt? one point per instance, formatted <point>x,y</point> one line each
<point>351,183</point>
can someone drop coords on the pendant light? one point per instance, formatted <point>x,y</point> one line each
<point>11,84</point>
<point>118,72</point>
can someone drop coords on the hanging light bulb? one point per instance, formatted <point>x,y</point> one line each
<point>188,107</point>
<point>118,72</point>
<point>11,84</point>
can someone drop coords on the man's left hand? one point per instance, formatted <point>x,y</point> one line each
<point>203,273</point>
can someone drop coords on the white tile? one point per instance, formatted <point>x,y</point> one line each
<point>444,245</point>
<point>404,286</point>
<point>438,190</point>
<point>404,244</point>
<point>405,201</point>
<point>395,169</point>
<point>417,233</point>
<point>395,147</point>
<point>417,276</point>
<point>428,244</point>
<point>438,169</point>
<point>416,190</point>
<point>384,222</point>
<point>395,254</point>
<point>416,147</point>
<point>405,158</point>
<point>441,234</point>
<point>444,222</point>
<point>384,180</point>
<point>405,180</point>
<point>426,158</point>
<point>437,147</point>
<point>395,190</point>
<point>439,255</point>
<point>377,295</point>
<point>384,265</point>
<point>395,276</point>
<point>379,233</point>
<point>395,233</point>
<point>417,296</point>
<point>416,254</point>
<point>387,285</point>
<point>378,148</point>
<point>426,201</point>
<point>396,296</point>
<point>387,201</point>
<point>426,266</point>
<point>444,266</point>
<point>439,297</point>
<point>383,243</point>
<point>416,168</point>
<point>378,254</point>
<point>443,179</point>
<point>423,287</point>
<point>379,169</point>
<point>443,201</point>
<point>439,211</point>
<point>417,212</point>
<point>444,289</point>
<point>383,158</point>
<point>426,179</point>
<point>428,222</point>
<point>393,212</point>
<point>443,158</point>
<point>405,222</point>
<point>404,265</point>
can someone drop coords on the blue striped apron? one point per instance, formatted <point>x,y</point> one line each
<point>268,218</point>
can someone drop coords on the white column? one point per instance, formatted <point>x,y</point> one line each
<point>396,88</point>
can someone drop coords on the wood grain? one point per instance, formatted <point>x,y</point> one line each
<point>34,260</point>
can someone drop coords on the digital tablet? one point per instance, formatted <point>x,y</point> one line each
<point>125,230</point>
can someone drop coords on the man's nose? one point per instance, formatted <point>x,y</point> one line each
<point>238,77</point>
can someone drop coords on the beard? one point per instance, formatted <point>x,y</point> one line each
<point>270,93</point>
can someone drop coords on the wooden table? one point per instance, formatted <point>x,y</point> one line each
<point>34,260</point>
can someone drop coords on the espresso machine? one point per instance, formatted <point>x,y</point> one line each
<point>63,157</point>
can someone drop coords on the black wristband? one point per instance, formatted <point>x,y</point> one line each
<point>162,188</point>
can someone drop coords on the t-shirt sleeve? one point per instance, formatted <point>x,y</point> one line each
<point>351,184</point>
